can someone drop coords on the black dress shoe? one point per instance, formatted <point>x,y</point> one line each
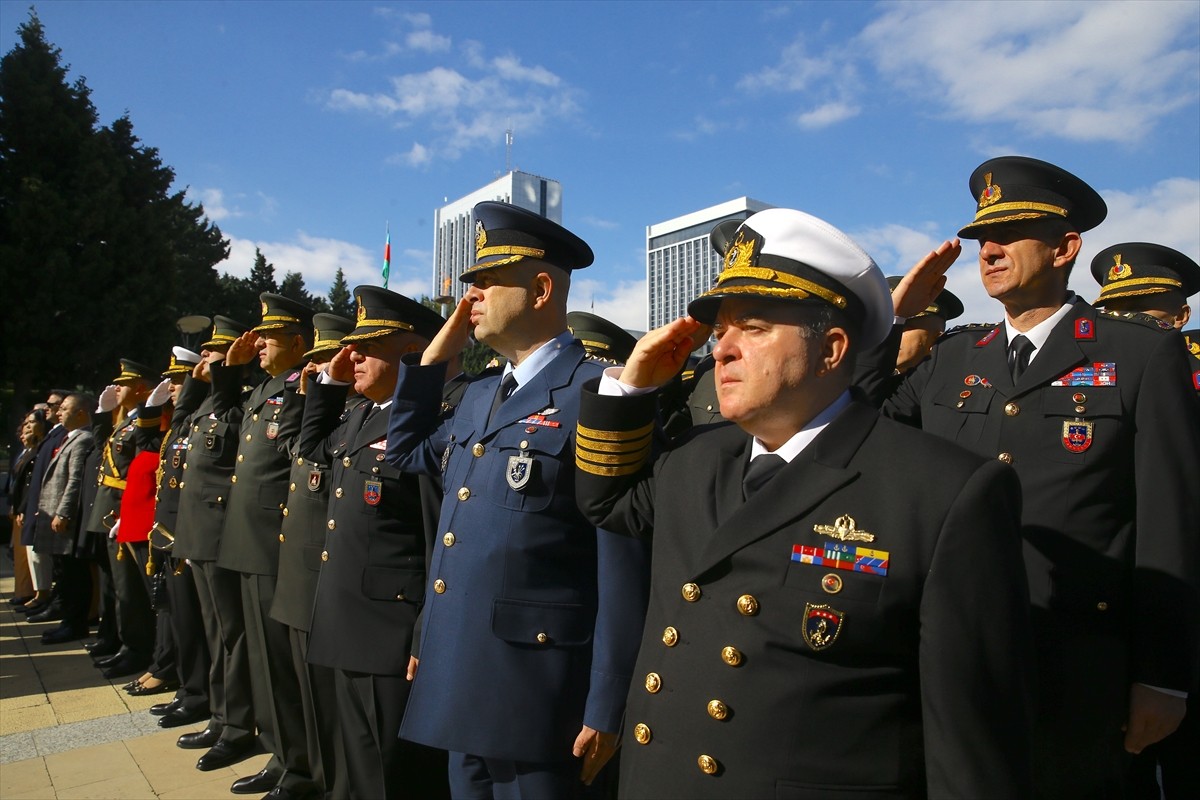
<point>224,753</point>
<point>201,739</point>
<point>101,648</point>
<point>263,781</point>
<point>63,634</point>
<point>20,601</point>
<point>142,690</point>
<point>47,614</point>
<point>125,666</point>
<point>108,661</point>
<point>184,716</point>
<point>161,709</point>
<point>32,608</point>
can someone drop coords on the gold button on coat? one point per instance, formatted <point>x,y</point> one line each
<point>464,493</point>
<point>1102,606</point>
<point>707,764</point>
<point>641,733</point>
<point>1080,409</point>
<point>477,449</point>
<point>717,709</point>
<point>324,555</point>
<point>691,592</point>
<point>281,538</point>
<point>291,487</point>
<point>670,636</point>
<point>439,586</point>
<point>337,492</point>
<point>448,539</point>
<point>285,513</point>
<point>542,638</point>
<point>731,656</point>
<point>653,683</point>
<point>248,437</point>
<point>331,524</point>
<point>256,417</point>
<point>241,458</point>
<point>1005,457</point>
<point>747,605</point>
<point>1012,409</point>
<point>185,466</point>
<point>299,460</point>
<point>346,461</point>
<point>524,444</point>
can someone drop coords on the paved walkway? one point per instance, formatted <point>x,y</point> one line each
<point>66,732</point>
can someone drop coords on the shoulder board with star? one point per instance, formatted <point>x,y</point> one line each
<point>971,327</point>
<point>1139,317</point>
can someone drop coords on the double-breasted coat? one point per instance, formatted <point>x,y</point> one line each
<point>210,456</point>
<point>768,670</point>
<point>514,656</point>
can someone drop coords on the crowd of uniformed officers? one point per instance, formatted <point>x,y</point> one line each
<point>888,558</point>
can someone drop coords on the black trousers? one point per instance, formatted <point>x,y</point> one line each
<point>220,594</point>
<point>192,662</point>
<point>74,590</point>
<point>318,699</point>
<point>135,620</point>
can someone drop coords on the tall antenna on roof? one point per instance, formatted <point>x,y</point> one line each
<point>508,142</point>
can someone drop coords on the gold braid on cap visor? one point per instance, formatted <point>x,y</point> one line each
<point>1020,206</point>
<point>801,288</point>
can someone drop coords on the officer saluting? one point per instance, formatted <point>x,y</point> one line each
<point>517,673</point>
<point>815,624</point>
<point>1093,412</point>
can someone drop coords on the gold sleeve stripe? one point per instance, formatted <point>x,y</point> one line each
<point>616,436</point>
<point>147,423</point>
<point>765,274</point>
<point>607,471</point>
<point>617,447</point>
<point>636,457</point>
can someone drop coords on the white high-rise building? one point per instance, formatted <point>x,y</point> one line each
<point>680,262</point>
<point>454,225</point>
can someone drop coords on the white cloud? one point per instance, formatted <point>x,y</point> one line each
<point>825,115</point>
<point>219,207</point>
<point>455,110</point>
<point>213,200</point>
<point>623,304</point>
<point>1082,71</point>
<point>603,224</point>
<point>427,41</point>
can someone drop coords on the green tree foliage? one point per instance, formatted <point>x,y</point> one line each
<point>340,300</point>
<point>97,254</point>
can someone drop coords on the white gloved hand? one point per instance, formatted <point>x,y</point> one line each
<point>108,399</point>
<point>160,395</point>
<point>112,534</point>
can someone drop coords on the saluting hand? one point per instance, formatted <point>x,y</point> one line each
<point>921,285</point>
<point>108,399</point>
<point>243,350</point>
<point>452,338</point>
<point>661,353</point>
<point>160,395</point>
<point>1153,716</point>
<point>341,368</point>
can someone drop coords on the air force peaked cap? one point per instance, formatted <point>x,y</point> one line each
<point>1015,188</point>
<point>382,312</point>
<point>785,254</point>
<point>507,234</point>
<point>1137,268</point>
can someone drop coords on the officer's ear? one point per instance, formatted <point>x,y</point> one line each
<point>543,289</point>
<point>1182,317</point>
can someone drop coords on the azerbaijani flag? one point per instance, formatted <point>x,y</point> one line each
<point>387,256</point>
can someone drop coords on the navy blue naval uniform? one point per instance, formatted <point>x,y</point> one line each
<point>532,615</point>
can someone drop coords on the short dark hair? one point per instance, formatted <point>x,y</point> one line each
<point>84,401</point>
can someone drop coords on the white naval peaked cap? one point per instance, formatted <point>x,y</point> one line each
<point>786,254</point>
<point>185,355</point>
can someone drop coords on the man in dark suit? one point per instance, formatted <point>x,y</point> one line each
<point>372,580</point>
<point>250,540</point>
<point>531,613</point>
<point>59,510</point>
<point>208,467</point>
<point>43,572</point>
<point>1093,411</point>
<point>821,620</point>
<point>301,541</point>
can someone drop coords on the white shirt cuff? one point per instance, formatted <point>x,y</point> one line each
<point>611,386</point>
<point>323,378</point>
<point>1171,692</point>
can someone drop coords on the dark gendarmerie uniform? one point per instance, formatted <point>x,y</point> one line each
<point>250,546</point>
<point>301,540</point>
<point>203,497</point>
<point>372,581</point>
<point>193,662</point>
<point>1105,438</point>
<point>135,620</point>
<point>514,656</point>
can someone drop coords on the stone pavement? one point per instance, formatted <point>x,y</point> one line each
<point>66,732</point>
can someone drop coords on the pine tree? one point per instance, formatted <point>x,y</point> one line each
<point>340,300</point>
<point>262,274</point>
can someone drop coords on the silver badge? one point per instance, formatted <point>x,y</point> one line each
<point>520,470</point>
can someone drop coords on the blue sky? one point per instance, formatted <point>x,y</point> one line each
<point>304,127</point>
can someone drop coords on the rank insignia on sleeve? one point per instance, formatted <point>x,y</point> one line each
<point>822,624</point>
<point>372,492</point>
<point>843,529</point>
<point>1077,435</point>
<point>1084,329</point>
<point>520,470</point>
<point>314,481</point>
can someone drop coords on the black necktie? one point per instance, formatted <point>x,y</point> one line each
<point>371,413</point>
<point>508,385</point>
<point>762,468</point>
<point>1019,351</point>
